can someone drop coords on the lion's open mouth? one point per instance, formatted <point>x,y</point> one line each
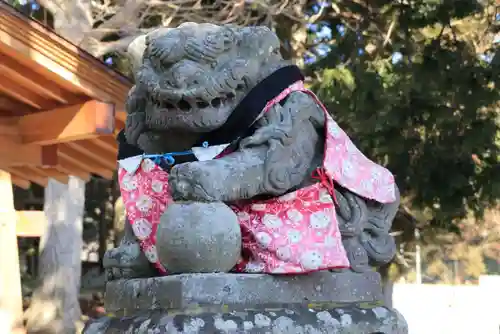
<point>187,104</point>
<point>196,116</point>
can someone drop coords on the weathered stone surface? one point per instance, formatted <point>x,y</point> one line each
<point>291,319</point>
<point>189,81</point>
<point>181,291</point>
<point>196,237</point>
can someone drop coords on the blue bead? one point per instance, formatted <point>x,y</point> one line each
<point>170,159</point>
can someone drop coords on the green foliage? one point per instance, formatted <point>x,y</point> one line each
<point>433,117</point>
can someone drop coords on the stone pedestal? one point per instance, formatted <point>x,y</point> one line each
<point>322,302</point>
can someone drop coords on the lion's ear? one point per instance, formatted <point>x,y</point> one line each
<point>136,48</point>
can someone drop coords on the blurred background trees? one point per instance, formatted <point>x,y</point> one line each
<point>415,83</point>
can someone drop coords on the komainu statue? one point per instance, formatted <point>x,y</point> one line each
<point>249,209</point>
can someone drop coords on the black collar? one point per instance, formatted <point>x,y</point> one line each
<point>126,150</point>
<point>247,111</point>
<point>239,124</point>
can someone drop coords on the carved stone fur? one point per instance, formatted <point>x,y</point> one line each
<point>279,157</point>
<point>189,81</point>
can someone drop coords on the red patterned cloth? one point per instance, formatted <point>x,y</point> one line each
<point>294,233</point>
<point>145,196</point>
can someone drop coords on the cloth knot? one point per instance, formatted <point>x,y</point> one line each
<point>321,175</point>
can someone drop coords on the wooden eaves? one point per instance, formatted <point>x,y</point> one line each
<point>59,110</point>
<point>59,106</point>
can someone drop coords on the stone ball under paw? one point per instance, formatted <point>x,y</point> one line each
<point>195,237</point>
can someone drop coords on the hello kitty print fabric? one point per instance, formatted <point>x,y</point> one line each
<point>345,164</point>
<point>294,233</point>
<point>145,196</point>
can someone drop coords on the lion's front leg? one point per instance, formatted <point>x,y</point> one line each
<point>225,179</point>
<point>127,260</point>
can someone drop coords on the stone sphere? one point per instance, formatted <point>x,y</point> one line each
<point>195,237</point>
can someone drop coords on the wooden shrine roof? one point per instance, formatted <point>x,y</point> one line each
<point>59,106</point>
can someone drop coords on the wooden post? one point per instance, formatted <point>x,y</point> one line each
<point>11,301</point>
<point>31,224</point>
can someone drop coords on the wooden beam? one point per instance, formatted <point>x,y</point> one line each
<point>33,81</point>
<point>9,128</point>
<point>68,167</point>
<point>11,107</point>
<point>31,223</point>
<point>83,121</point>
<point>13,153</point>
<point>11,300</point>
<point>26,174</point>
<point>121,115</point>
<point>36,46</point>
<point>49,172</point>
<point>20,182</point>
<point>108,143</point>
<point>119,125</point>
<point>21,93</point>
<point>73,156</point>
<point>89,150</point>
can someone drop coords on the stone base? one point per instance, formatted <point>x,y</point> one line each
<point>321,302</point>
<point>292,319</point>
<point>125,297</point>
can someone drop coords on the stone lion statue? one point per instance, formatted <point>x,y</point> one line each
<point>228,163</point>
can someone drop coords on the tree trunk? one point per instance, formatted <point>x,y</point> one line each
<point>55,307</point>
